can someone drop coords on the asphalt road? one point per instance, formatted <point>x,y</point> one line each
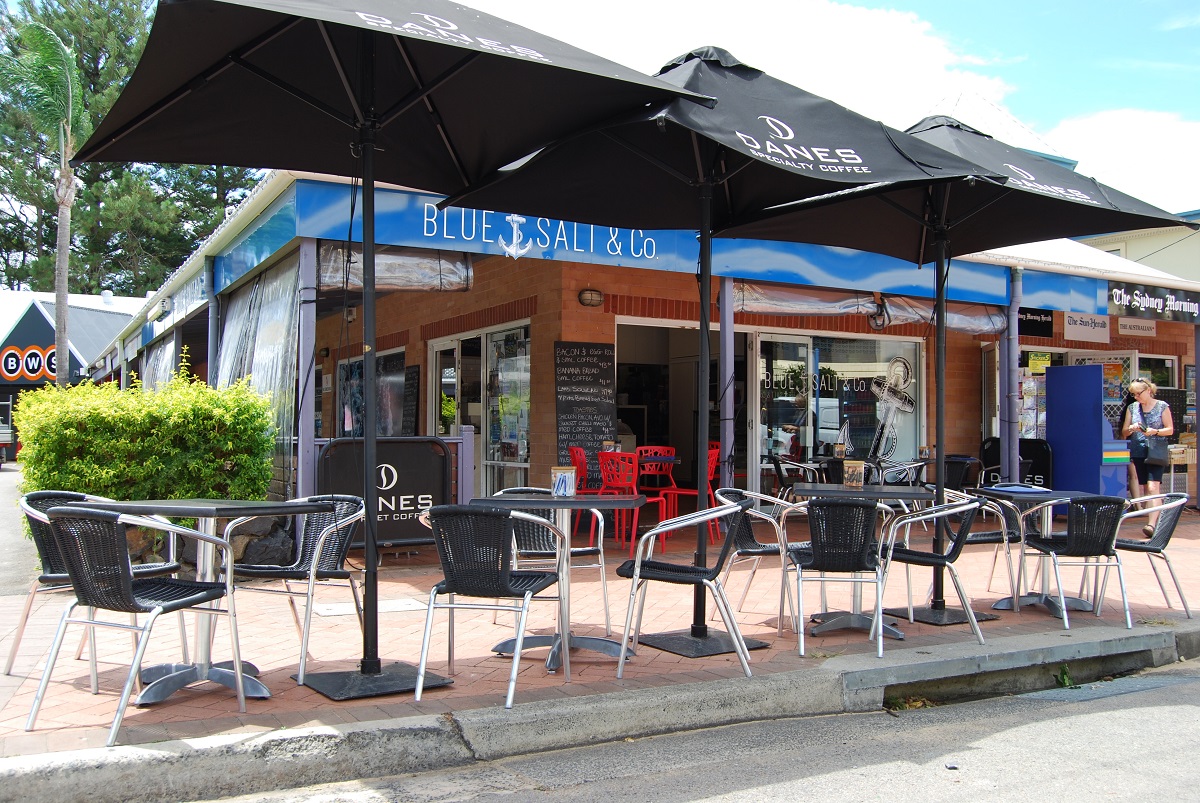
<point>1134,738</point>
<point>19,561</point>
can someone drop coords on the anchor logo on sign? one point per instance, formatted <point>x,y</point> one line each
<point>516,250</point>
<point>890,391</point>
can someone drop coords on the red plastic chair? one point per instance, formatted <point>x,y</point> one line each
<point>619,473</point>
<point>671,496</point>
<point>661,471</point>
<point>579,461</point>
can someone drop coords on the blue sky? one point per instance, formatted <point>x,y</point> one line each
<point>1067,58</point>
<point>1111,84</point>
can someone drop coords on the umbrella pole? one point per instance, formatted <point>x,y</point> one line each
<point>370,661</point>
<point>699,619</point>
<point>370,680</point>
<point>699,641</point>
<point>941,247</point>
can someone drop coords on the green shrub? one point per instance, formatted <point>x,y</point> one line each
<point>183,440</point>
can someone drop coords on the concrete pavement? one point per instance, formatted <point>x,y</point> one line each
<point>195,745</point>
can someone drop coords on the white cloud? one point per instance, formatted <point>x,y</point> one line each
<point>888,65</point>
<point>1181,22</point>
<point>1149,155</point>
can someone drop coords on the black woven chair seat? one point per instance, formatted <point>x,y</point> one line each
<point>1063,547</point>
<point>993,537</point>
<point>918,558</point>
<point>171,595</point>
<point>668,572</point>
<point>1137,546</point>
<point>518,583</point>
<point>804,557</point>
<point>289,573</point>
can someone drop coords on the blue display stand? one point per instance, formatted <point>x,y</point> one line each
<point>1086,455</point>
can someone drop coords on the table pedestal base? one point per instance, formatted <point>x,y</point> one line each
<point>604,646</point>
<point>163,680</point>
<point>682,642</point>
<point>396,678</point>
<point>1049,600</point>
<point>940,616</point>
<point>840,620</point>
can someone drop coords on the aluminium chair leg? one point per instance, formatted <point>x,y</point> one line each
<point>51,659</point>
<point>1124,595</point>
<point>966,601</point>
<point>134,667</point>
<point>604,598</point>
<point>721,602</point>
<point>629,631</point>
<point>1062,602</point>
<point>516,662</point>
<point>12,651</point>
<point>425,645</point>
<point>1175,579</point>
<point>238,678</point>
<point>800,622</point>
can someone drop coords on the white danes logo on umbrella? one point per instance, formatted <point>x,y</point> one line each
<point>776,147</point>
<point>1025,174</point>
<point>388,477</point>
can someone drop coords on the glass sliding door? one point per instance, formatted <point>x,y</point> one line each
<point>784,424</point>
<point>506,444</point>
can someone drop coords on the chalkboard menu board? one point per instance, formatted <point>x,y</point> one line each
<point>412,395</point>
<point>585,377</point>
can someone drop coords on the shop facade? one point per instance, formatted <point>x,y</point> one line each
<point>488,323</point>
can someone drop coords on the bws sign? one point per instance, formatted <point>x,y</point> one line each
<point>30,364</point>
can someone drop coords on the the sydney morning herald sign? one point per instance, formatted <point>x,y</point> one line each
<point>1159,303</point>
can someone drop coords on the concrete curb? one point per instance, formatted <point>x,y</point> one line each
<point>240,764</point>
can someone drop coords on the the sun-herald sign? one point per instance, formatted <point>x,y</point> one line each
<point>1159,303</point>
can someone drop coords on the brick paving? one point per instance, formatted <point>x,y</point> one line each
<point>73,718</point>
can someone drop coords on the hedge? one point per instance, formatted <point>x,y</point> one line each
<point>182,440</point>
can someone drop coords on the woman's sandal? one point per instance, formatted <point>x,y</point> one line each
<point>1148,530</point>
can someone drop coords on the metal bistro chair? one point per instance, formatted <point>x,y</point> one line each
<point>1169,513</point>
<point>843,542</point>
<point>962,512</point>
<point>475,546</point>
<point>643,568</point>
<point>746,547</point>
<point>322,541</point>
<point>92,544</point>
<point>54,575</point>
<point>1092,526</point>
<point>537,545</point>
<point>1008,533</point>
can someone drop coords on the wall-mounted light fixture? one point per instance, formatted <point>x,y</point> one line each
<point>881,318</point>
<point>591,298</point>
<point>324,351</point>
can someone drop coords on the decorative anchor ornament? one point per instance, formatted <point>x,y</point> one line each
<point>892,400</point>
<point>516,250</point>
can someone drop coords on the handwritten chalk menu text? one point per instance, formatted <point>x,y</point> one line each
<point>585,376</point>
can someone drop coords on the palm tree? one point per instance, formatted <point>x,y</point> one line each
<point>43,78</point>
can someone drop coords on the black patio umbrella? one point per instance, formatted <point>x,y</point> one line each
<point>423,93</point>
<point>681,166</point>
<point>1040,200</point>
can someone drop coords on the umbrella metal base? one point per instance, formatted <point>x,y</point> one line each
<point>396,678</point>
<point>682,642</point>
<point>939,616</point>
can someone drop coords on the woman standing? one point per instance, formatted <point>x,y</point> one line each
<point>1152,418</point>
